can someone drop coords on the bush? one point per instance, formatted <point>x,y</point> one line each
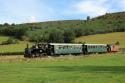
<point>56,36</point>
<point>10,41</point>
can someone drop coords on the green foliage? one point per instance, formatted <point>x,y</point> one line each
<point>34,36</point>
<point>56,36</point>
<point>78,32</point>
<point>13,30</point>
<point>6,24</point>
<point>10,41</point>
<point>52,35</point>
<point>117,43</point>
<point>69,36</point>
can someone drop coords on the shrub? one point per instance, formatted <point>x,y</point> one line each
<point>10,41</point>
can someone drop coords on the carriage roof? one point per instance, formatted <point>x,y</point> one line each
<point>65,44</point>
<point>96,44</point>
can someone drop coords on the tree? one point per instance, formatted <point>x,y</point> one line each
<point>6,24</point>
<point>69,36</point>
<point>88,18</point>
<point>117,43</point>
<point>78,32</point>
<point>56,36</point>
<point>13,24</point>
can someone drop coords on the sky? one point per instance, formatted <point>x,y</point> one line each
<point>28,11</point>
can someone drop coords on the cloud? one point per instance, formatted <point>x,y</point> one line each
<point>32,19</point>
<point>122,4</point>
<point>91,8</point>
<point>22,11</point>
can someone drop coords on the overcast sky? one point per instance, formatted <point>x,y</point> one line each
<point>23,11</point>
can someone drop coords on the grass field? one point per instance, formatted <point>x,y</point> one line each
<point>105,68</point>
<point>13,47</point>
<point>104,38</point>
<point>3,38</point>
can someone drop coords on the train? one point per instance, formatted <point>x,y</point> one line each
<point>56,49</point>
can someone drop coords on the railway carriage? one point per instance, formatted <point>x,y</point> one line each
<point>59,48</point>
<point>96,48</point>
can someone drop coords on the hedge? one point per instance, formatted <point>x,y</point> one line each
<point>12,53</point>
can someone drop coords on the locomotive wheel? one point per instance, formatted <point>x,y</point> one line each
<point>33,55</point>
<point>51,53</point>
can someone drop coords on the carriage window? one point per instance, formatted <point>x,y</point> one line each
<point>90,46</point>
<point>71,47</point>
<point>103,46</point>
<point>57,47</point>
<point>63,47</point>
<point>78,47</point>
<point>96,46</point>
<point>60,47</point>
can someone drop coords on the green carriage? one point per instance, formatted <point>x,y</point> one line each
<point>66,48</point>
<point>96,48</point>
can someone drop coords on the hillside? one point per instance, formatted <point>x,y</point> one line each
<point>109,22</point>
<point>108,17</point>
<point>104,38</point>
<point>65,31</point>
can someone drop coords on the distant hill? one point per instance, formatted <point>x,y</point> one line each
<point>67,30</point>
<point>109,38</point>
<point>109,21</point>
